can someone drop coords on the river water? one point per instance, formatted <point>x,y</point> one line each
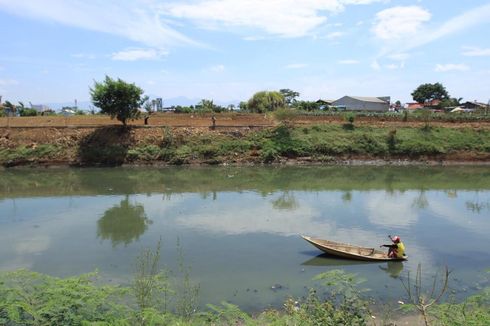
<point>238,227</point>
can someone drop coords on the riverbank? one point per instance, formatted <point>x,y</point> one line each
<point>290,143</point>
<point>34,298</point>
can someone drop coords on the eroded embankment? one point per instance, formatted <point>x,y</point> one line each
<point>325,143</point>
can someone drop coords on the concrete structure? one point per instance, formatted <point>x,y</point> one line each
<point>361,103</point>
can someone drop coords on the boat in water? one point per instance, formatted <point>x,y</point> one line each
<point>350,251</point>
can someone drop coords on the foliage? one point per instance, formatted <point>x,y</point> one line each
<point>208,106</point>
<point>28,298</point>
<point>26,112</point>
<point>265,101</point>
<point>424,299</point>
<point>151,286</point>
<point>182,109</point>
<point>307,106</point>
<point>289,96</point>
<point>451,102</point>
<point>285,114</point>
<point>473,311</point>
<point>117,98</point>
<point>187,292</point>
<point>243,106</point>
<point>427,92</point>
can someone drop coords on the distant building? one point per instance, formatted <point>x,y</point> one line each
<point>474,105</point>
<point>40,108</point>
<point>362,103</point>
<point>324,104</point>
<point>416,105</point>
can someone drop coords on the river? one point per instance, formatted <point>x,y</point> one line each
<point>238,227</point>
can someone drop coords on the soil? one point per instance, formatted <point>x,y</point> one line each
<point>222,120</point>
<point>72,132</point>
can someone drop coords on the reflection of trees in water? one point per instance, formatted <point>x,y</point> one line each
<point>477,207</point>
<point>421,201</point>
<point>347,197</point>
<point>285,201</point>
<point>123,223</point>
<point>451,193</point>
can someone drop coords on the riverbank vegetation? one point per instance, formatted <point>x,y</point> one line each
<point>323,143</point>
<point>29,298</point>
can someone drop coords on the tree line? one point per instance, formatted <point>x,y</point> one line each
<point>125,101</point>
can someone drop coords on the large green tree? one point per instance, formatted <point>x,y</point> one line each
<point>289,96</point>
<point>117,98</point>
<point>428,92</point>
<point>265,101</point>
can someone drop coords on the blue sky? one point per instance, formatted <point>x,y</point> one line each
<point>53,50</point>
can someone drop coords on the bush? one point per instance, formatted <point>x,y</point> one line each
<point>25,112</point>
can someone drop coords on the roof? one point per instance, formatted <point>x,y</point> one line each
<point>475,103</point>
<point>367,99</point>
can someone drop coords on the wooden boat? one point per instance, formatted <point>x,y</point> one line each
<point>350,251</point>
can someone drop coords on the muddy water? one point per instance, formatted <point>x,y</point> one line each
<point>239,228</point>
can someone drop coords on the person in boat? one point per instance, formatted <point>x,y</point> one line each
<point>396,249</point>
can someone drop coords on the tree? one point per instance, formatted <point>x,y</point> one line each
<point>266,101</point>
<point>289,95</point>
<point>428,92</point>
<point>307,105</point>
<point>117,98</point>
<point>123,223</point>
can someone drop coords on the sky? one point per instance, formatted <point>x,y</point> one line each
<point>226,50</point>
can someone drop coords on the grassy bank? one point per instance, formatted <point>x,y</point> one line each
<point>324,143</point>
<point>28,298</point>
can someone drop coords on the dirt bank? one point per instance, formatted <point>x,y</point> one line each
<point>239,139</point>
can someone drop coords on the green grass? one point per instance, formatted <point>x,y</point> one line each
<point>23,153</point>
<point>274,144</point>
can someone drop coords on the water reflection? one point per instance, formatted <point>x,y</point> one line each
<point>285,201</point>
<point>421,201</point>
<point>243,222</point>
<point>123,223</point>
<point>477,207</point>
<point>392,268</point>
<point>332,261</point>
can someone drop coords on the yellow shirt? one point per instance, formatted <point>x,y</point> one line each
<point>400,251</point>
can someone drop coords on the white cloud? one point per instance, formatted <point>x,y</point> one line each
<point>286,18</point>
<point>138,54</point>
<point>450,67</point>
<point>417,35</point>
<point>349,62</point>
<point>7,82</point>
<point>84,56</point>
<point>215,68</point>
<point>399,22</point>
<point>476,52</point>
<point>254,38</point>
<point>375,65</point>
<point>399,56</point>
<point>138,20</point>
<point>296,66</point>
<point>334,35</point>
